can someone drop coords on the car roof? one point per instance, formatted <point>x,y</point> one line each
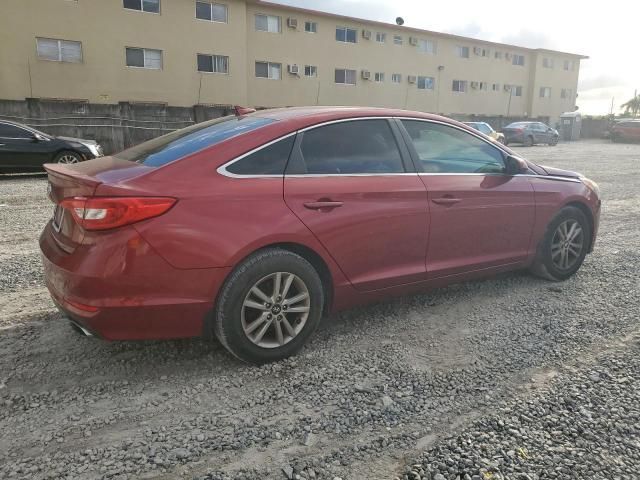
<point>320,112</point>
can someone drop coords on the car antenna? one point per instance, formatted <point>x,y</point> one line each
<point>243,110</point>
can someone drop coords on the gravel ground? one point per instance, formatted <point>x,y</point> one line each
<point>511,377</point>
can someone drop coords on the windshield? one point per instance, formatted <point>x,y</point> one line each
<point>179,144</point>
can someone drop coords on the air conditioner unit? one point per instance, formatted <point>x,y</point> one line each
<point>412,79</point>
<point>292,22</point>
<point>507,56</point>
<point>477,50</point>
<point>293,69</point>
<point>366,34</point>
<point>366,74</point>
<point>474,84</point>
<point>413,41</point>
<point>507,88</point>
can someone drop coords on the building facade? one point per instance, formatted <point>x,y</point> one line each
<point>249,52</point>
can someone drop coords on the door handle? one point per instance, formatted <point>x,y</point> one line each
<point>446,200</point>
<point>322,204</point>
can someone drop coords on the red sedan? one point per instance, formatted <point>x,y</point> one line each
<point>251,227</point>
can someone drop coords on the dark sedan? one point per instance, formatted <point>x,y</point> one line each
<point>530,133</point>
<point>24,149</point>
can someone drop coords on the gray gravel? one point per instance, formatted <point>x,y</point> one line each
<point>428,377</point>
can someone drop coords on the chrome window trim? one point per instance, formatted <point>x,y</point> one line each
<point>222,169</point>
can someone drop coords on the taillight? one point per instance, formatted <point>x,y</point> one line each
<point>103,213</point>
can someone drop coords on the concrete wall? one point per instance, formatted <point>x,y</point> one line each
<point>115,127</point>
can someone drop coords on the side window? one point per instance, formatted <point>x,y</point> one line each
<point>269,160</point>
<point>444,149</point>
<point>11,131</point>
<point>485,129</point>
<point>359,146</point>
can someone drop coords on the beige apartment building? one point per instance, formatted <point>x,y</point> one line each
<point>250,52</point>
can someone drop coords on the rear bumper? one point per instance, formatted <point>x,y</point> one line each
<point>120,289</point>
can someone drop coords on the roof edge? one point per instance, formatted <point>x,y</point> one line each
<point>321,13</point>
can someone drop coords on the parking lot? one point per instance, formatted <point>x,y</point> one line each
<point>511,377</point>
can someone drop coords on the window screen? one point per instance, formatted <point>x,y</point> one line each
<point>270,160</point>
<point>362,146</point>
<point>444,149</point>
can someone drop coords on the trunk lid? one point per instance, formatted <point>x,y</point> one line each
<point>83,180</point>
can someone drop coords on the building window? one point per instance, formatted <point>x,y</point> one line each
<point>568,65</point>
<point>381,37</point>
<point>397,39</point>
<point>345,77</point>
<point>268,70</point>
<point>268,23</point>
<point>59,50</point>
<point>459,85</point>
<point>495,87</point>
<point>144,58</point>
<point>346,35</point>
<point>396,78</point>
<point>565,93</point>
<point>547,62</point>
<point>213,63</point>
<point>545,92</point>
<point>516,90</point>
<point>151,6</point>
<point>462,52</point>
<point>425,83</point>
<point>378,76</point>
<point>427,46</point>
<point>483,86</point>
<point>214,12</point>
<point>518,60</point>
<point>497,55</point>
<point>482,52</point>
<point>311,27</point>
<point>310,71</point>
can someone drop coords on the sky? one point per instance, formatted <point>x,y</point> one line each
<point>607,32</point>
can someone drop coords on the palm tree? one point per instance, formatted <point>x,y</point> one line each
<point>632,106</point>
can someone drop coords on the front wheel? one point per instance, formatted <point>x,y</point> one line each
<point>68,157</point>
<point>564,246</point>
<point>553,142</point>
<point>269,306</point>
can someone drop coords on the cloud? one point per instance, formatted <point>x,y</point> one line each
<point>530,39</point>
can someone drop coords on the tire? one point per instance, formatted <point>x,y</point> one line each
<point>233,316</point>
<point>528,142</point>
<point>546,263</point>
<point>68,156</point>
<point>553,142</point>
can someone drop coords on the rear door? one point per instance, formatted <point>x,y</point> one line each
<point>480,216</point>
<point>350,184</point>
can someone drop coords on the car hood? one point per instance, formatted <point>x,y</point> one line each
<point>78,140</point>
<point>558,172</point>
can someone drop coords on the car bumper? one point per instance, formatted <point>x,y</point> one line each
<point>120,289</point>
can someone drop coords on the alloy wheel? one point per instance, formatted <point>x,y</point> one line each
<point>68,158</point>
<point>275,310</point>
<point>567,244</point>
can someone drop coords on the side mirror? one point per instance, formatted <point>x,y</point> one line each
<point>38,138</point>
<point>515,165</point>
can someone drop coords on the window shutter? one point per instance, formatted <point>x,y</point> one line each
<point>48,49</point>
<point>71,51</point>
<point>153,59</point>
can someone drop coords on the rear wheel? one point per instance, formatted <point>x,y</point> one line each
<point>68,157</point>
<point>528,141</point>
<point>564,246</point>
<point>269,306</point>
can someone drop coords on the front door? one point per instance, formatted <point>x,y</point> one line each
<point>480,216</point>
<point>348,183</point>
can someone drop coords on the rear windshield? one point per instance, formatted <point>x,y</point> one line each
<point>179,144</point>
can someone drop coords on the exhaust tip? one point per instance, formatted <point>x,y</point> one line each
<point>80,329</point>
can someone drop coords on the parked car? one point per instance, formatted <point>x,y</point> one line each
<point>488,130</point>
<point>530,133</point>
<point>24,149</point>
<point>628,130</point>
<point>253,227</point>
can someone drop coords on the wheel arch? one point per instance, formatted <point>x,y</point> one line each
<point>67,149</point>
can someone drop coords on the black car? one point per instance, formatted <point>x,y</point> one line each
<point>24,149</point>
<point>530,133</point>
